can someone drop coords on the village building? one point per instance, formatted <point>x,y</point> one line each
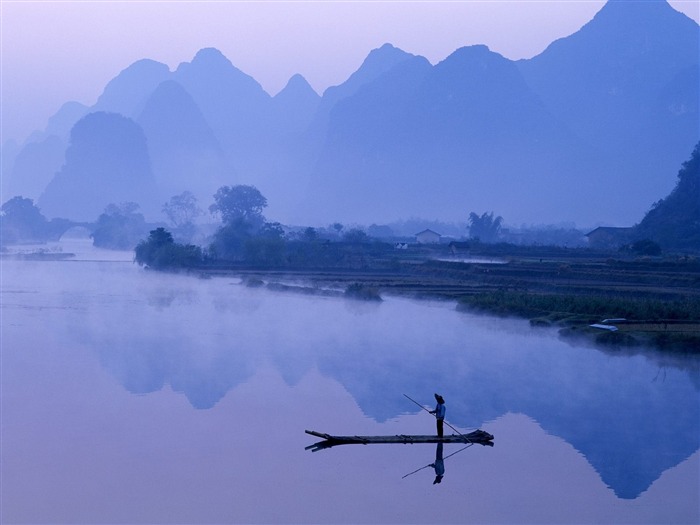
<point>428,237</point>
<point>609,237</point>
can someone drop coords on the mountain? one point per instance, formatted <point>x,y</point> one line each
<point>602,78</point>
<point>674,222</point>
<point>107,162</point>
<point>282,168</point>
<point>8,153</point>
<point>378,62</point>
<point>433,141</point>
<point>185,154</point>
<point>127,92</point>
<point>627,85</point>
<point>26,170</point>
<point>65,118</point>
<point>34,167</point>
<point>604,113</point>
<point>295,105</point>
<point>588,131</point>
<point>124,94</point>
<point>233,103</point>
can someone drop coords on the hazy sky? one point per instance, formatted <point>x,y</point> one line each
<point>54,51</point>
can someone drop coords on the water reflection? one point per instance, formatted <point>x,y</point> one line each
<point>439,464</point>
<point>630,427</point>
<point>633,417</point>
<point>615,409</point>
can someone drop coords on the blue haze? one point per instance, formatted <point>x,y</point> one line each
<point>592,130</point>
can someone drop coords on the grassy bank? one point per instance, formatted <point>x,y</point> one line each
<point>554,287</point>
<point>585,308</point>
<point>671,325</point>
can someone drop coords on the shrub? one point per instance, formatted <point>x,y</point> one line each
<point>646,247</point>
<point>161,252</point>
<point>594,306</point>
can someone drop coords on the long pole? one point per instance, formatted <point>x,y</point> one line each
<point>429,412</point>
<point>433,464</point>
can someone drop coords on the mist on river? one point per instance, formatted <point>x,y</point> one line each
<point>99,355</point>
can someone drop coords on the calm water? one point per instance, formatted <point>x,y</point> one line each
<point>134,397</point>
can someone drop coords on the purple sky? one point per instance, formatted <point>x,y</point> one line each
<point>55,51</point>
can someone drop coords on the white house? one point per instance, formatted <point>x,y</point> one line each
<point>428,237</point>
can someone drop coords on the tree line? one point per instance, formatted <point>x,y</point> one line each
<point>246,236</point>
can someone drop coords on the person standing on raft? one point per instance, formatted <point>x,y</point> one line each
<point>439,413</point>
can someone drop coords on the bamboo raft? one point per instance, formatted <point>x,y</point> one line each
<point>478,436</point>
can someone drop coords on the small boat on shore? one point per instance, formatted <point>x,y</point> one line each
<point>478,436</point>
<point>648,325</point>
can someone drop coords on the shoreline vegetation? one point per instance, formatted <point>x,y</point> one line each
<point>635,302</point>
<point>655,301</point>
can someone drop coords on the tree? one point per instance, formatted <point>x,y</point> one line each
<point>380,231</point>
<point>267,247</point>
<point>271,230</point>
<point>229,240</point>
<point>21,220</point>
<point>355,236</point>
<point>161,252</point>
<point>120,227</point>
<point>484,228</point>
<point>309,234</point>
<point>337,227</point>
<point>239,203</point>
<point>182,209</point>
<point>240,208</point>
<point>646,247</point>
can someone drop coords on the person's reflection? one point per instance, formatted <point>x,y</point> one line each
<point>439,464</point>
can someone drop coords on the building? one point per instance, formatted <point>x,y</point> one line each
<point>428,237</point>
<point>609,238</point>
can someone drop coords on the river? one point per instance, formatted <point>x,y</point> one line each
<point>131,396</point>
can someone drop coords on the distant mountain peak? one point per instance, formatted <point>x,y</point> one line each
<point>297,84</point>
<point>144,70</point>
<point>388,48</point>
<point>209,65</point>
<point>147,64</point>
<point>63,120</point>
<point>378,62</point>
<point>386,55</point>
<point>208,61</point>
<point>479,51</point>
<point>211,56</point>
<point>296,104</point>
<point>472,59</point>
<point>634,13</point>
<point>646,3</point>
<point>124,93</point>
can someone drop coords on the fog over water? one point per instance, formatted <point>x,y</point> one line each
<point>137,397</point>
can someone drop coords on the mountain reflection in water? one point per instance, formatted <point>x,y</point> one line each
<point>617,411</point>
<point>631,417</point>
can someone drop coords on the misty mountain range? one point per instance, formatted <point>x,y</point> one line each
<point>593,130</point>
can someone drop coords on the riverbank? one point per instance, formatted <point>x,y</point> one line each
<point>567,289</point>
